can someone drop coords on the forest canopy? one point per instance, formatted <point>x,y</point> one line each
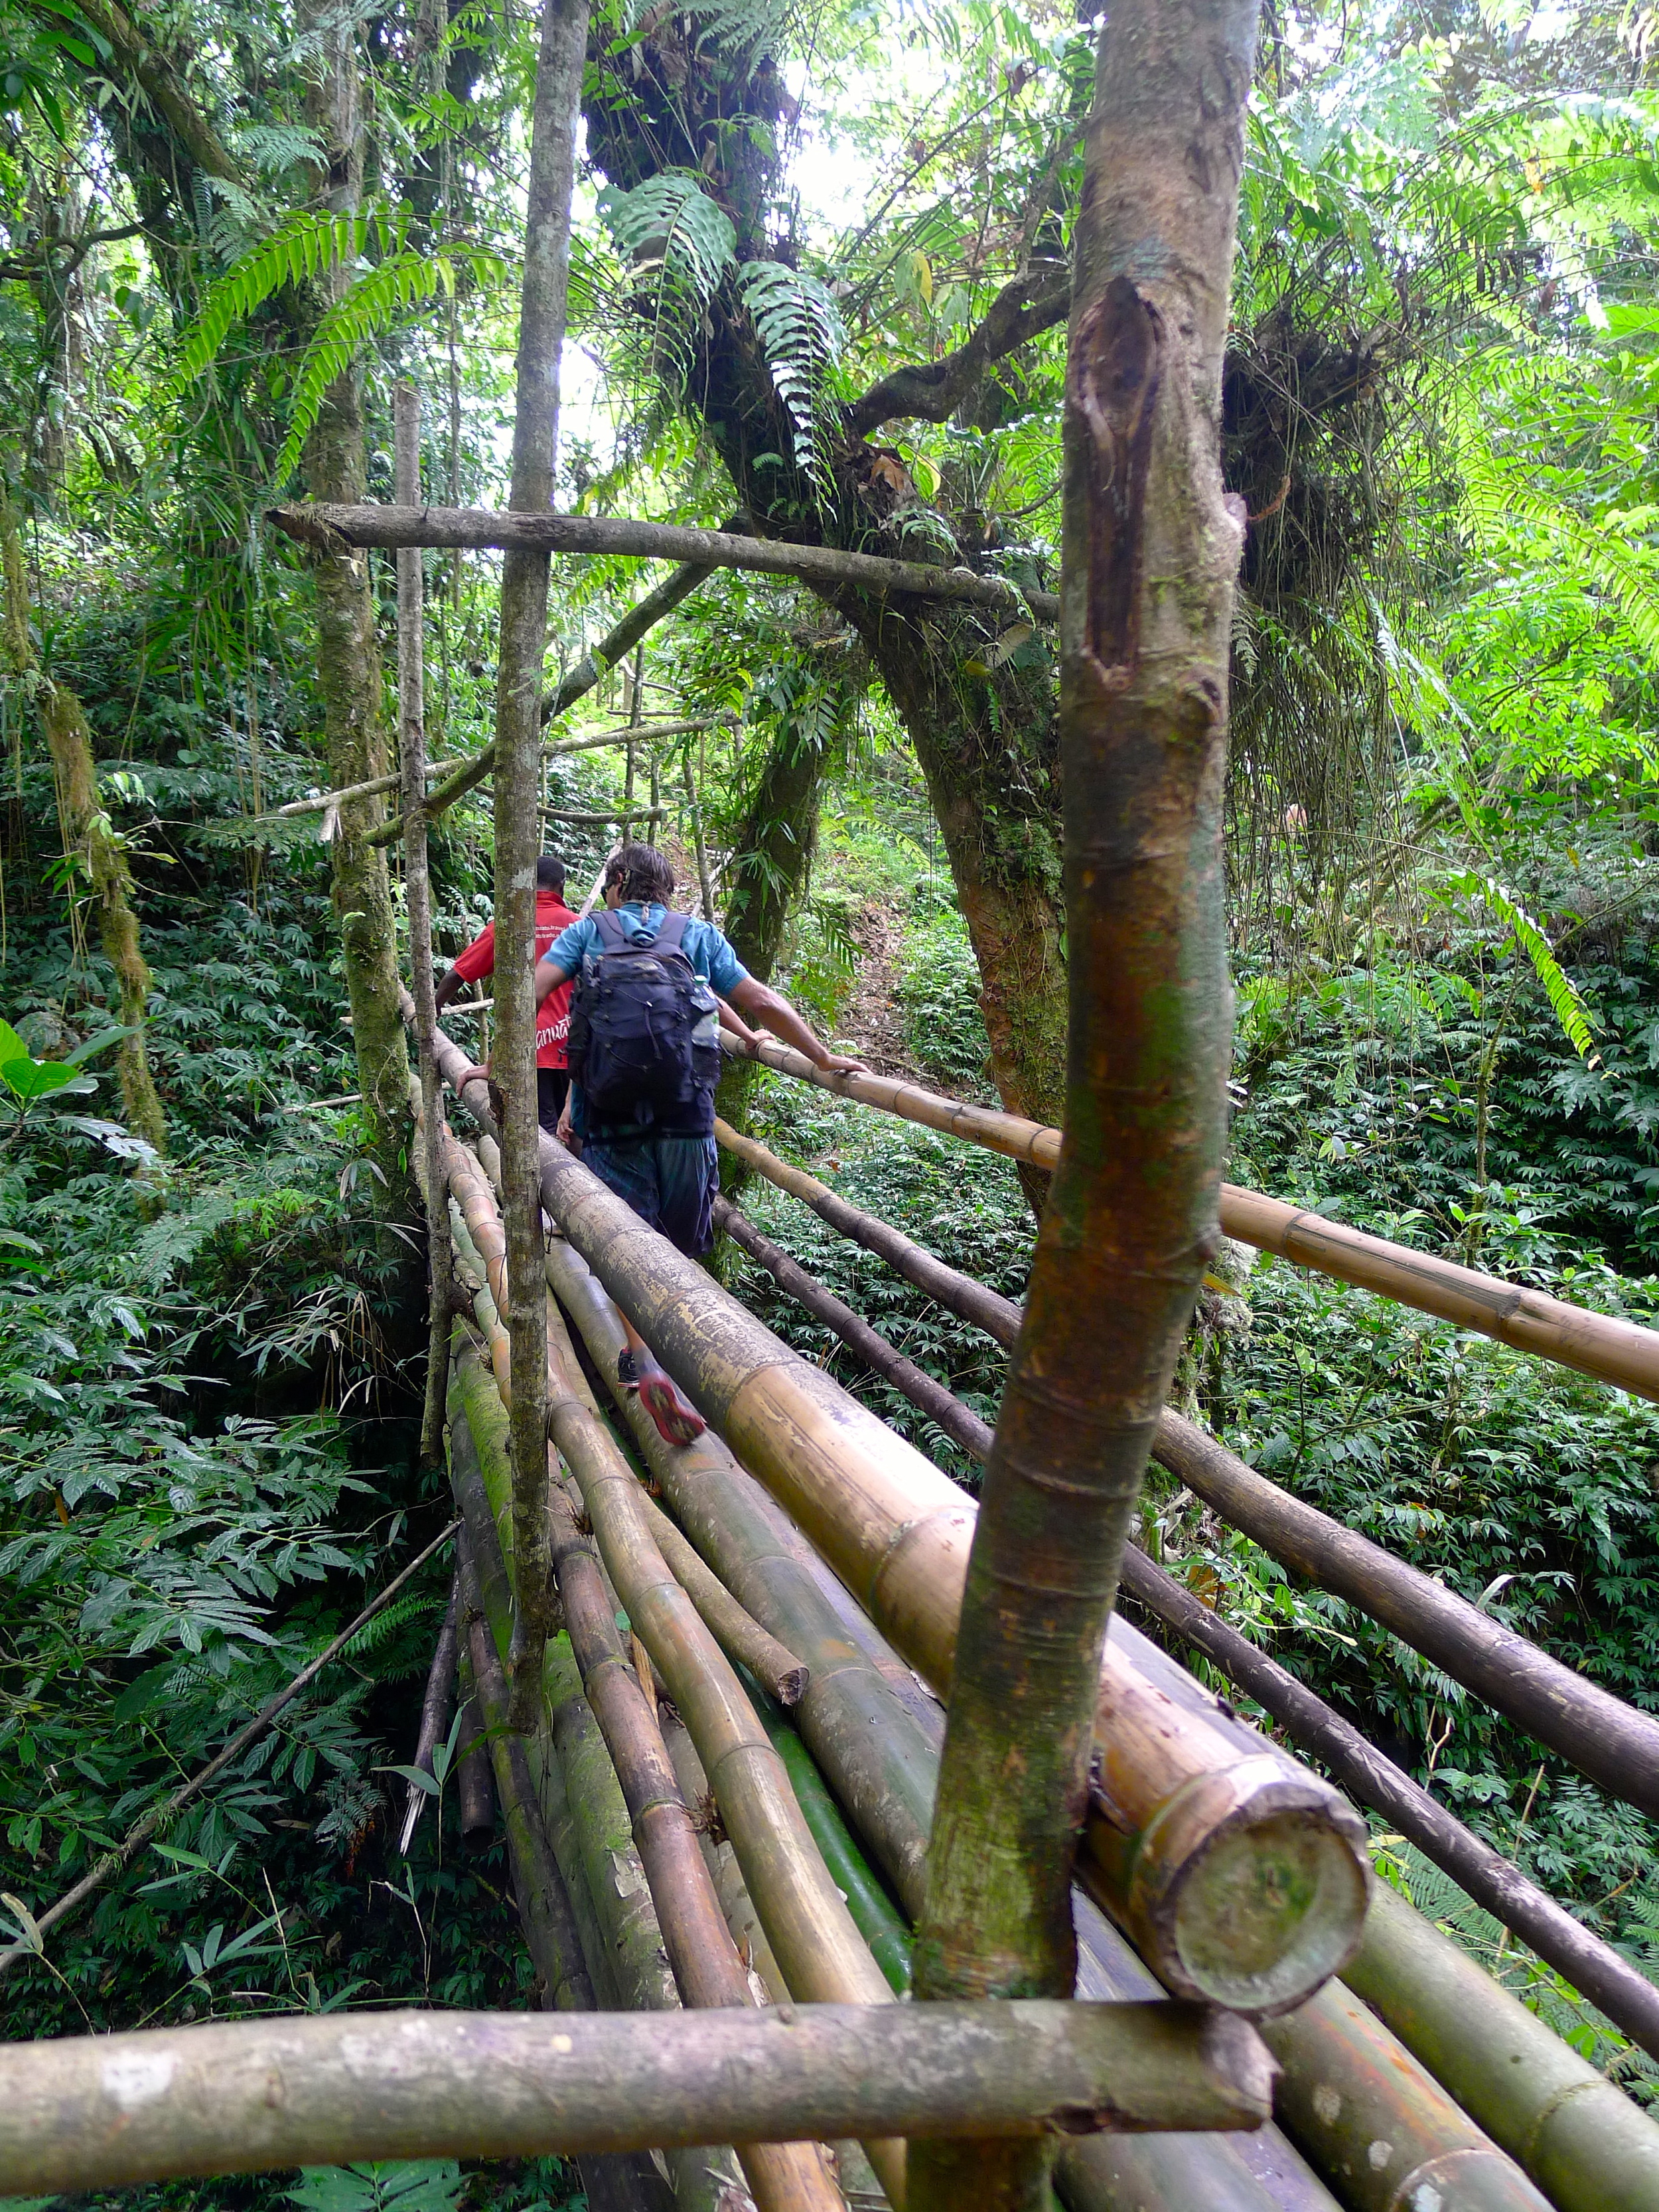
<point>819,284</point>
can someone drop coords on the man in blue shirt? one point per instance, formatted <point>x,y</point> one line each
<point>668,1176</point>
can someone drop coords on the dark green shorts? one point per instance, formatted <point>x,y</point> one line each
<point>670,1183</point>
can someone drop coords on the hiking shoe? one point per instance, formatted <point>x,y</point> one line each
<point>628,1372</point>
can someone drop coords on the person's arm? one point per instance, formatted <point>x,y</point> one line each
<point>449,987</point>
<point>550,975</point>
<point>774,1013</point>
<point>731,1019</point>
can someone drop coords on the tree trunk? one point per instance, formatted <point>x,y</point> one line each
<point>1150,555</point>
<point>88,836</point>
<point>348,653</point>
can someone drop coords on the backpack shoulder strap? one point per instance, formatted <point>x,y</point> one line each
<point>671,930</point>
<point>611,936</point>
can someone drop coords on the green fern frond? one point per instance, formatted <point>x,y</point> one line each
<point>302,248</point>
<point>1563,994</point>
<point>1596,550</point>
<point>670,222</point>
<point>800,331</point>
<point>371,305</point>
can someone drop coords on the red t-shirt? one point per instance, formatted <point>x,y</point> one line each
<point>553,1015</point>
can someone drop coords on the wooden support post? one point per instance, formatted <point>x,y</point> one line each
<point>518,835</point>
<point>438,1706</point>
<point>417,892</point>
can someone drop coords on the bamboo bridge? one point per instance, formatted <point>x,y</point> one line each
<point>724,1803</point>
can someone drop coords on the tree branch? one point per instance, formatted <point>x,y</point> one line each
<point>931,392</point>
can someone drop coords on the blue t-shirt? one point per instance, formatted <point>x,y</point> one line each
<point>706,949</point>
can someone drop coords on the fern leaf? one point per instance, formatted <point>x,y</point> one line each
<point>301,248</point>
<point>1565,1000</point>
<point>670,222</point>
<point>371,305</point>
<point>800,331</point>
<point>1596,550</point>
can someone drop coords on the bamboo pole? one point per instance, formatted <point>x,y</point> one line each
<point>929,1396</point>
<point>90,2112</point>
<point>1619,1353</point>
<point>853,1721</point>
<point>882,1767</point>
<point>321,802</point>
<point>138,1835</point>
<point>437,1708</point>
<point>1613,1743</point>
<point>783,2177</point>
<point>331,527</point>
<point>896,1531</point>
<point>1389,2136</point>
<point>987,1308</point>
<point>737,1632</point>
<point>544,1906</point>
<point>585,1820</point>
<point>522,647</point>
<point>475,1787</point>
<point>417,888</point>
<point>1584,2143</point>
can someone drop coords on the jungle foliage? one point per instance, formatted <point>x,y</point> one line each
<point>818,281</point>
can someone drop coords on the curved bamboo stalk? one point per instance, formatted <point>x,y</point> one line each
<point>1612,1350</point>
<point>86,2111</point>
<point>785,2177</point>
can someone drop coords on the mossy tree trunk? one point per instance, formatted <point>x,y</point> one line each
<point>1151,552</point>
<point>348,651</point>
<point>90,838</point>
<point>986,742</point>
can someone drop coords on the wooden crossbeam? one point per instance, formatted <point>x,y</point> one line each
<point>478,529</point>
<point>96,2112</point>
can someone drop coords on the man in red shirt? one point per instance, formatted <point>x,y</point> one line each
<point>553,1015</point>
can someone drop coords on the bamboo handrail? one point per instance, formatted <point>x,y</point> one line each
<point>327,525</point>
<point>100,2111</point>
<point>1614,1743</point>
<point>1612,1350</point>
<point>896,1531</point>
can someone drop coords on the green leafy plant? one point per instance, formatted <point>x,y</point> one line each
<point>409,2184</point>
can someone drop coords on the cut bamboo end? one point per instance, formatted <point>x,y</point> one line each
<point>1242,1890</point>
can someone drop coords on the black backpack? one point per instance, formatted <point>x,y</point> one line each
<point>645,1031</point>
